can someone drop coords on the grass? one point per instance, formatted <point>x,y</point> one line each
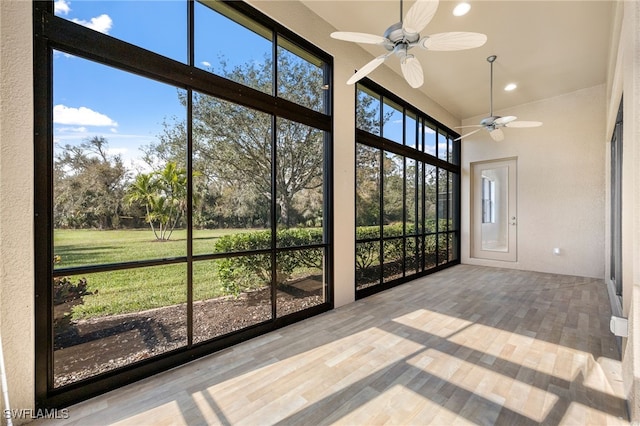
<point>133,290</point>
<point>78,247</point>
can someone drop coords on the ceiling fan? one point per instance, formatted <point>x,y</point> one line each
<point>404,35</point>
<point>493,123</point>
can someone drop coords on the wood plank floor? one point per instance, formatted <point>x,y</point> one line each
<point>467,345</point>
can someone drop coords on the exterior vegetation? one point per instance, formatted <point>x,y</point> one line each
<point>107,213</point>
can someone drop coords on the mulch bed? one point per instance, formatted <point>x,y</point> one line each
<point>88,347</point>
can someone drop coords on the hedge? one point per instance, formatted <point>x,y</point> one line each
<point>248,272</point>
<point>368,252</point>
<point>238,274</point>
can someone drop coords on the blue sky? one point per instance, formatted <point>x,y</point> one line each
<point>94,100</point>
<point>91,99</point>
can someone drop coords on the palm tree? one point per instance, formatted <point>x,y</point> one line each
<point>164,196</point>
<point>142,191</point>
<point>172,200</point>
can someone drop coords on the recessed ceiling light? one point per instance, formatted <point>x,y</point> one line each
<point>461,9</point>
<point>511,86</point>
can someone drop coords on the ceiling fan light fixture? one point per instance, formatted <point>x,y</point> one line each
<point>461,9</point>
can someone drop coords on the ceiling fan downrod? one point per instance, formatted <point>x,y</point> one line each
<point>491,59</point>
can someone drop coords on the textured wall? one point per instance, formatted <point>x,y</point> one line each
<point>16,200</point>
<point>628,71</point>
<point>561,183</point>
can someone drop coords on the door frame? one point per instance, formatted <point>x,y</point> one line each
<point>476,211</point>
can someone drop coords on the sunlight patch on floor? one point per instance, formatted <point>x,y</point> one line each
<point>434,323</point>
<point>519,397</point>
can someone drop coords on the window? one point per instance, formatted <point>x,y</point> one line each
<point>616,203</point>
<point>135,22</point>
<point>407,192</point>
<point>247,60</point>
<point>392,121</point>
<point>429,139</point>
<point>298,69</point>
<point>369,110</point>
<point>184,193</point>
<point>488,200</point>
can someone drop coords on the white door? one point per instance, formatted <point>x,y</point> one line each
<point>494,218</point>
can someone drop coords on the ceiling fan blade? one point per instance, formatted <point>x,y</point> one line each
<point>468,134</point>
<point>524,124</point>
<point>471,125</point>
<point>419,16</point>
<point>412,71</point>
<point>503,121</point>
<point>366,69</point>
<point>359,37</point>
<point>497,135</point>
<point>453,41</point>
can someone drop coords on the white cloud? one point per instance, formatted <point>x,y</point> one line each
<point>206,64</point>
<point>113,130</point>
<point>61,7</point>
<point>101,23</point>
<point>82,116</point>
<point>72,129</point>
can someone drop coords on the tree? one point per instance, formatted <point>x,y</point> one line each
<point>163,194</point>
<point>233,149</point>
<point>367,185</point>
<point>393,208</point>
<point>368,208</point>
<point>88,186</point>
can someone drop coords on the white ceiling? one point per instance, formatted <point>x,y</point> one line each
<point>546,47</point>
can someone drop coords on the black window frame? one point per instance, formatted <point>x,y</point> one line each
<point>616,203</point>
<point>51,33</point>
<point>451,168</point>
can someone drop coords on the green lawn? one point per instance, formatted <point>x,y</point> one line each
<point>78,247</point>
<point>137,289</point>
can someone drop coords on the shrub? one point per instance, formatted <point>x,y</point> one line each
<point>66,295</point>
<point>249,272</point>
<point>65,290</point>
<point>368,252</point>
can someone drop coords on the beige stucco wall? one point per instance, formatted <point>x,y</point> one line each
<point>560,183</point>
<point>347,58</point>
<point>626,80</point>
<point>16,201</point>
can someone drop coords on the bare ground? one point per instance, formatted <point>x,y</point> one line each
<point>89,347</point>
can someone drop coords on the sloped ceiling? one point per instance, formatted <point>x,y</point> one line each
<point>547,48</point>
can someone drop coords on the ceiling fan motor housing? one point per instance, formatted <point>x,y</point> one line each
<point>489,120</point>
<point>396,35</point>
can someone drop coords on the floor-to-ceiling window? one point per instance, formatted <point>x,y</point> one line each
<point>183,174</point>
<point>407,192</point>
<point>616,204</point>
